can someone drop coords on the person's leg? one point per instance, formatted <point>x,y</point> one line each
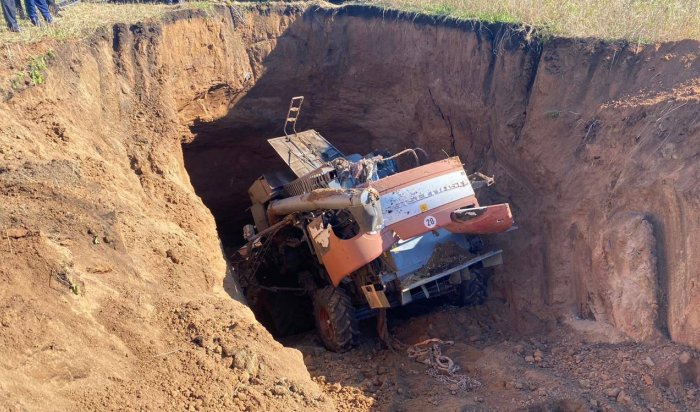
<point>20,9</point>
<point>44,10</point>
<point>53,8</point>
<point>8,11</point>
<point>31,12</point>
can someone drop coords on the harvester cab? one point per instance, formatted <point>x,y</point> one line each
<point>356,234</point>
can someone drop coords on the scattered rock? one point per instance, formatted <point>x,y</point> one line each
<point>684,357</point>
<point>170,254</point>
<point>647,361</point>
<point>622,398</point>
<point>16,233</point>
<point>612,392</point>
<point>529,359</point>
<point>279,390</point>
<point>246,361</point>
<point>381,370</point>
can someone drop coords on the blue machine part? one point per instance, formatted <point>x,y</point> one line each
<point>413,254</point>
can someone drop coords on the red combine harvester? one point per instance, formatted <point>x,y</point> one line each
<point>356,234</point>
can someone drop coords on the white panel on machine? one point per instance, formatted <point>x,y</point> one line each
<point>420,197</point>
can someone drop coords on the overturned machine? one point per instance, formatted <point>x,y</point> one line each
<point>341,237</point>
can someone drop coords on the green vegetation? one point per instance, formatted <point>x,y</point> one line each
<point>35,72</point>
<point>633,20</point>
<point>85,18</point>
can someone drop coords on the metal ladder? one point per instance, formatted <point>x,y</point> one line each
<point>293,114</point>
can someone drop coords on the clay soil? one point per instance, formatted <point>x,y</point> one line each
<point>122,193</point>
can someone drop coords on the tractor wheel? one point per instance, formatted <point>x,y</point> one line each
<point>335,320</point>
<point>473,292</point>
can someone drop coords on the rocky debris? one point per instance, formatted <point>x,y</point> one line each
<point>17,233</point>
<point>684,358</point>
<point>647,361</point>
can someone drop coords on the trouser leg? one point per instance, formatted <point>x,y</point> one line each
<point>44,10</point>
<point>20,9</point>
<point>9,12</point>
<point>31,11</point>
<point>53,8</point>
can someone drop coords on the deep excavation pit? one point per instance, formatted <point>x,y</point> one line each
<point>595,145</point>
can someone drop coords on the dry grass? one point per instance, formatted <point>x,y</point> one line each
<point>84,18</point>
<point>633,20</point>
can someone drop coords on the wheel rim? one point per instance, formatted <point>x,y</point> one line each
<point>325,324</point>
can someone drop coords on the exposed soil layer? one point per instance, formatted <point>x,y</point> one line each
<point>115,291</point>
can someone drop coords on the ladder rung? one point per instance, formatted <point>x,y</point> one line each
<point>291,119</point>
<point>294,109</point>
<point>298,98</point>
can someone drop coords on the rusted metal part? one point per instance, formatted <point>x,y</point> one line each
<point>480,180</point>
<point>341,257</point>
<point>481,220</point>
<point>323,199</point>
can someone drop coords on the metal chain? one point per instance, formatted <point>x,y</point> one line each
<point>442,368</point>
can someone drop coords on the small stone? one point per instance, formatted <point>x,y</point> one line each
<point>170,254</point>
<point>381,370</point>
<point>542,392</point>
<point>594,403</point>
<point>647,379</point>
<point>647,361</point>
<point>336,387</point>
<point>16,233</point>
<point>585,383</point>
<point>399,391</point>
<point>612,392</point>
<point>279,390</point>
<point>529,359</point>
<point>245,377</point>
<point>684,358</point>
<point>518,386</point>
<point>479,399</point>
<point>621,397</point>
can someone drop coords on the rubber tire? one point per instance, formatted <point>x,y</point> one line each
<point>334,307</point>
<point>473,292</point>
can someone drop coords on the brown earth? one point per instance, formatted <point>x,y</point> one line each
<point>115,292</point>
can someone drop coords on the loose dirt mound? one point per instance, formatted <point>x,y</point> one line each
<point>115,293</point>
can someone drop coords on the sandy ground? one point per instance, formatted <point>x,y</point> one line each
<point>577,366</point>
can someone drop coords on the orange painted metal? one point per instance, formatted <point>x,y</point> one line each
<point>343,257</point>
<point>494,219</point>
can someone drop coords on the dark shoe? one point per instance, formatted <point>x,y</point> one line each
<point>36,22</point>
<point>15,29</point>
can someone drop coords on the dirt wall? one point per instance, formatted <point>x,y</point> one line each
<point>114,290</point>
<point>594,144</point>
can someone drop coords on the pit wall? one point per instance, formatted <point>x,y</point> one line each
<point>594,144</point>
<point>115,293</point>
